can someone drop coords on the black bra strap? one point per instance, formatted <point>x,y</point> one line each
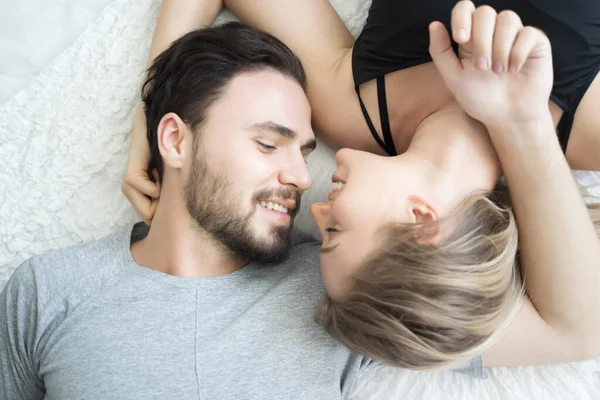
<point>383,115</point>
<point>387,143</point>
<point>368,120</point>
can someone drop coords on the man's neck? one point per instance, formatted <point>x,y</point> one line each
<point>458,156</point>
<point>176,245</point>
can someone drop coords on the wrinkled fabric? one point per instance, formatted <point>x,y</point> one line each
<point>64,138</point>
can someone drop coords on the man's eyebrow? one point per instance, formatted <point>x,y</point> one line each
<point>274,127</point>
<point>282,130</point>
<point>325,250</point>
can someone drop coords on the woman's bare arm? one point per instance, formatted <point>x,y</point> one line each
<point>175,19</point>
<point>559,250</point>
<point>314,31</point>
<point>559,247</point>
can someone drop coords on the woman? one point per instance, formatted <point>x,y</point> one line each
<point>390,69</point>
<point>454,158</point>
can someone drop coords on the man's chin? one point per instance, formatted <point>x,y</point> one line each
<point>275,239</point>
<point>269,230</point>
<point>273,247</point>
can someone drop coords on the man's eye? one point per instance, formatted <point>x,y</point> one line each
<point>331,230</point>
<point>266,146</point>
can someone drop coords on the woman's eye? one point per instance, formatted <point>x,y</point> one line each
<point>331,230</point>
<point>266,146</point>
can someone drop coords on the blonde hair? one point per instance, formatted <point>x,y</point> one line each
<point>428,306</point>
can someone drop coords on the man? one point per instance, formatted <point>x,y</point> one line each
<point>193,310</point>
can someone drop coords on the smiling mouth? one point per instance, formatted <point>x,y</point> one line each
<point>281,204</point>
<point>269,205</point>
<point>336,188</point>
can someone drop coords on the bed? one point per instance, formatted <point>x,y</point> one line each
<point>69,84</point>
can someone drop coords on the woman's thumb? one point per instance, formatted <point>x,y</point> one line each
<point>444,58</point>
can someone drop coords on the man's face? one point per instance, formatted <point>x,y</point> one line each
<point>249,171</point>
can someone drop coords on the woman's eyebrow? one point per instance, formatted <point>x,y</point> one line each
<point>325,250</point>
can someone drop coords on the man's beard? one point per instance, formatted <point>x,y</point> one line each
<point>218,209</point>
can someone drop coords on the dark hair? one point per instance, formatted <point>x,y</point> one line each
<point>191,74</point>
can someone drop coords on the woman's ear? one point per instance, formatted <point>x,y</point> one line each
<point>172,136</point>
<point>421,212</point>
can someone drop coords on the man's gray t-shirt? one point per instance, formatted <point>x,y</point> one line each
<point>87,322</point>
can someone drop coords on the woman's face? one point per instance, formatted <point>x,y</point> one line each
<point>368,193</point>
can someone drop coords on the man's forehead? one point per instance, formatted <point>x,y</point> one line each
<point>265,101</point>
<point>263,80</point>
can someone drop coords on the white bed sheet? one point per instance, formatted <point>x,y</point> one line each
<point>34,32</point>
<point>69,82</point>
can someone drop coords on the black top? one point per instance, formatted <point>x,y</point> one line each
<point>396,36</point>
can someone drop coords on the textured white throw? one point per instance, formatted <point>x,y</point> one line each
<point>67,101</point>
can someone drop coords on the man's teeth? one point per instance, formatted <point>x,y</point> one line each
<point>337,186</point>
<point>274,206</point>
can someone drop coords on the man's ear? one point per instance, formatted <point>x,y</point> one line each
<point>172,136</point>
<point>421,212</point>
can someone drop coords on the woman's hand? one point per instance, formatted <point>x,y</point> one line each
<point>141,192</point>
<point>503,73</point>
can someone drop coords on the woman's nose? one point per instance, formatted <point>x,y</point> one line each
<point>320,213</point>
<point>342,156</point>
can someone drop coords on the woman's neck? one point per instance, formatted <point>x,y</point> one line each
<point>459,150</point>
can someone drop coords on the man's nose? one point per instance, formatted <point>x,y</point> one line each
<point>296,173</point>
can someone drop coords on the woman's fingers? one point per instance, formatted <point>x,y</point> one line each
<point>443,55</point>
<point>527,39</point>
<point>140,182</point>
<point>461,21</point>
<point>482,36</point>
<point>508,26</point>
<point>144,206</point>
<point>142,193</point>
<point>496,41</point>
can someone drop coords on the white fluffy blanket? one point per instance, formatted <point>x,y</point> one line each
<point>69,84</point>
